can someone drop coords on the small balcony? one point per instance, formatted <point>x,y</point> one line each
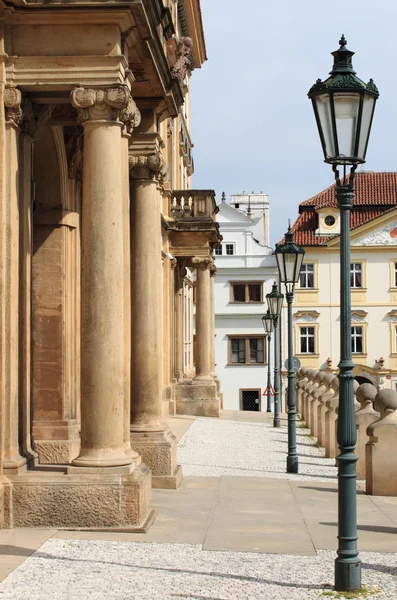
<point>193,204</point>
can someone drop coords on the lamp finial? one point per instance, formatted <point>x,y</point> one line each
<point>342,41</point>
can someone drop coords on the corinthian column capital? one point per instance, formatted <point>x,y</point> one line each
<point>130,116</point>
<point>101,105</point>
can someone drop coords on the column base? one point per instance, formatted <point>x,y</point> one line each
<point>198,397</point>
<point>168,483</point>
<point>56,443</point>
<point>158,451</point>
<point>80,500</point>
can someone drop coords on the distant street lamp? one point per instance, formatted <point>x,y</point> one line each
<point>289,261</point>
<point>267,321</point>
<point>275,303</point>
<point>344,107</point>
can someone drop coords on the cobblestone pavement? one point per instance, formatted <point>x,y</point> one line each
<point>213,447</point>
<point>76,569</point>
<point>99,570</point>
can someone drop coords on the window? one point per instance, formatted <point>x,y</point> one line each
<point>247,350</point>
<point>357,339</point>
<point>306,340</point>
<point>229,249</point>
<point>329,220</point>
<point>246,292</point>
<point>356,275</point>
<point>306,276</point>
<point>395,274</point>
<point>218,250</point>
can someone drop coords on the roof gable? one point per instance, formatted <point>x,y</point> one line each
<point>228,214</point>
<point>375,196</point>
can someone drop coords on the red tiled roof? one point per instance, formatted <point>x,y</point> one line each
<point>375,194</point>
<point>374,189</point>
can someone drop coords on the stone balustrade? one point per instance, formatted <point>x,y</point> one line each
<point>197,204</point>
<point>365,416</point>
<point>317,400</point>
<point>381,448</point>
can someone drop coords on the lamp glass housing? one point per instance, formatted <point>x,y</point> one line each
<point>267,321</point>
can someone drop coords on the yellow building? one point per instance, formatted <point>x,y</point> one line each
<point>373,274</point>
<point>99,232</point>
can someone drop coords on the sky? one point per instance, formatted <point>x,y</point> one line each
<point>252,124</point>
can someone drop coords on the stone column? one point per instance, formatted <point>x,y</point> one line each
<point>12,460</point>
<point>180,272</point>
<point>131,118</point>
<point>203,319</point>
<point>212,311</point>
<point>102,262</point>
<point>200,397</point>
<point>150,436</point>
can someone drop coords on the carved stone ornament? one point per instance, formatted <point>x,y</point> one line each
<point>183,65</point>
<point>170,127</point>
<point>130,116</point>
<point>74,139</point>
<point>100,105</point>
<point>200,262</point>
<point>213,270</point>
<point>24,113</point>
<point>387,236</point>
<point>150,167</point>
<point>12,103</point>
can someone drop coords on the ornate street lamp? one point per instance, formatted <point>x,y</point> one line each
<point>267,321</point>
<point>344,107</point>
<point>289,261</point>
<point>275,303</point>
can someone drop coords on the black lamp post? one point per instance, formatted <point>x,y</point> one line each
<point>344,107</point>
<point>275,303</point>
<point>267,321</point>
<point>289,261</point>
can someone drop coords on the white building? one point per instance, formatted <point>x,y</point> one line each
<point>246,271</point>
<point>373,271</point>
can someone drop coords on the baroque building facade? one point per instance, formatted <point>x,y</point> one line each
<point>99,232</point>
<point>373,276</point>
<point>246,270</point>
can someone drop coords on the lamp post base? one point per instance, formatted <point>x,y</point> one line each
<point>292,464</point>
<point>276,421</point>
<point>347,574</point>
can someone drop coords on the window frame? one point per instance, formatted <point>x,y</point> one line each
<point>247,337</point>
<point>307,336</point>
<point>246,284</point>
<point>355,337</point>
<point>233,245</point>
<point>354,272</point>
<point>306,287</point>
<point>218,250</point>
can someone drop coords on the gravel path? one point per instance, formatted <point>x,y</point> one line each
<point>99,570</point>
<point>213,447</point>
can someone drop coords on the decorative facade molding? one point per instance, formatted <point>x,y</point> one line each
<point>384,237</point>
<point>359,316</point>
<point>106,104</point>
<point>307,316</point>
